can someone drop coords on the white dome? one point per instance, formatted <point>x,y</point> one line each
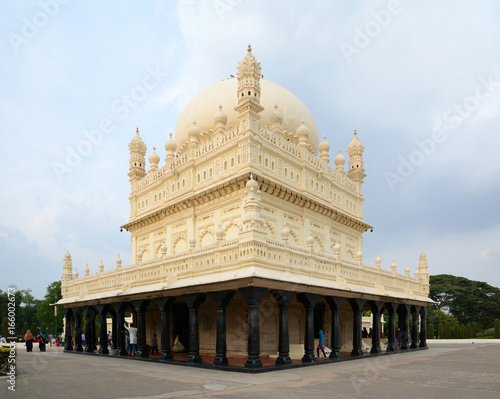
<point>201,110</point>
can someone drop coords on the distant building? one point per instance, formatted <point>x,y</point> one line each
<point>245,243</point>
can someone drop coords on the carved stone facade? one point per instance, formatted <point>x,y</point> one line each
<point>245,220</point>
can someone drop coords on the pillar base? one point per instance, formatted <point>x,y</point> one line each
<point>221,361</point>
<point>253,363</point>
<point>79,348</point>
<point>89,349</point>
<point>165,356</point>
<point>422,345</point>
<point>391,348</point>
<point>103,351</point>
<point>335,355</point>
<point>194,359</point>
<point>375,351</point>
<point>308,358</point>
<point>283,360</point>
<point>68,348</point>
<point>121,352</point>
<point>142,353</point>
<point>357,353</point>
<point>413,345</point>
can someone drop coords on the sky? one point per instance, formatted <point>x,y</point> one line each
<point>419,81</point>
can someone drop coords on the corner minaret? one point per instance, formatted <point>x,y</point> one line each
<point>248,92</point>
<point>137,169</point>
<point>356,166</point>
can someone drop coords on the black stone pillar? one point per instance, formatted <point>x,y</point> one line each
<point>221,300</point>
<point>283,299</point>
<point>103,339</point>
<point>376,307</point>
<point>140,307</point>
<point>415,310</point>
<point>423,327</point>
<point>165,304</point>
<point>114,328</point>
<point>391,309</point>
<point>335,303</point>
<point>78,330</point>
<point>403,311</point>
<point>309,301</point>
<point>89,319</point>
<point>253,296</point>
<point>193,301</point>
<point>93,330</point>
<point>120,309</point>
<point>357,308</point>
<point>68,346</point>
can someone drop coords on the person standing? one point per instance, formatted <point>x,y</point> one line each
<point>28,337</point>
<point>132,331</point>
<point>321,343</point>
<point>154,345</point>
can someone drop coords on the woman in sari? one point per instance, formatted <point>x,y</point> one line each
<point>321,343</point>
<point>28,337</point>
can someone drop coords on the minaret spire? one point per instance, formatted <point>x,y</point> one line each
<point>249,91</point>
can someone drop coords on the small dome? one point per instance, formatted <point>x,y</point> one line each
<point>68,256</point>
<point>86,270</point>
<point>170,145</point>
<point>118,261</point>
<point>310,239</point>
<point>276,116</point>
<point>355,147</point>
<point>324,145</point>
<point>220,116</point>
<point>101,267</point>
<point>339,160</point>
<point>219,233</point>
<point>393,265</point>
<point>193,130</point>
<point>302,130</point>
<point>192,240</point>
<point>154,158</point>
<point>252,185</point>
<point>378,260</point>
<point>285,231</point>
<point>75,274</point>
<point>336,247</point>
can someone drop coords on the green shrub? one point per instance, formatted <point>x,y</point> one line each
<point>496,334</point>
<point>469,331</point>
<point>441,331</point>
<point>430,331</point>
<point>488,332</point>
<point>447,331</point>
<point>4,357</point>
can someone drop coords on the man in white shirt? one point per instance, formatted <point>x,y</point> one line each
<point>132,331</point>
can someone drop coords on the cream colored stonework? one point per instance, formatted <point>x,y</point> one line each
<point>243,194</point>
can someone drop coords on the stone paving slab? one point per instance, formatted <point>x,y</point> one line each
<point>444,371</point>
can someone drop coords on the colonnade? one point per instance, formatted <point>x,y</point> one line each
<point>253,296</point>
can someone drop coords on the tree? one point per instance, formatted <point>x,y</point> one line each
<point>456,332</point>
<point>469,301</point>
<point>430,331</point>
<point>474,330</point>
<point>45,312</point>
<point>447,331</point>
<point>441,331</point>
<point>496,334</point>
<point>5,326</point>
<point>469,331</point>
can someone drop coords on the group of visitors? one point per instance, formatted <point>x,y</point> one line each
<point>29,338</point>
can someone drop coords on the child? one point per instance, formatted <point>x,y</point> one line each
<point>154,345</point>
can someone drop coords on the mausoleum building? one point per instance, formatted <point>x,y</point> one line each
<point>245,242</point>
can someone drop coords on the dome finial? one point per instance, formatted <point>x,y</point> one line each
<point>249,48</point>
<point>137,130</point>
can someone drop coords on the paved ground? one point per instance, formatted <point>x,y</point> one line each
<point>444,371</point>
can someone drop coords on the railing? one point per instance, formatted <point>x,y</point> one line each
<point>228,255</point>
